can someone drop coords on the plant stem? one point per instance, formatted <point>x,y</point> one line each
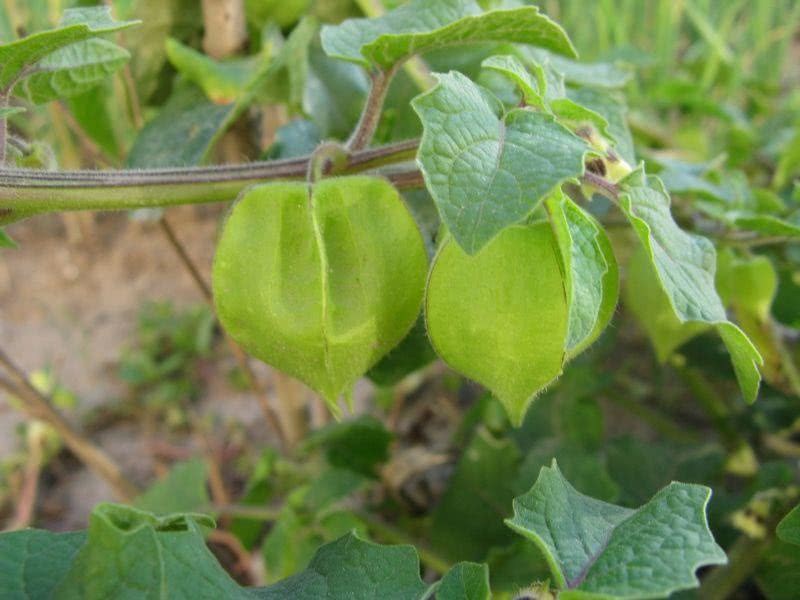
<point>415,66</point>
<point>39,406</point>
<point>32,191</point>
<point>608,188</point>
<point>373,108</point>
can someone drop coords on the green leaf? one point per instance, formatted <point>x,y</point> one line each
<point>533,91</point>
<point>465,581</point>
<point>681,177</point>
<point>586,469</point>
<point>129,551</point>
<point>788,162</point>
<point>767,224</point>
<point>97,112</point>
<point>187,116</point>
<point>356,569</point>
<point>595,75</point>
<point>778,573</point>
<point>160,19</point>
<point>182,490</point>
<point>514,567</point>
<point>789,528</point>
<point>486,171</point>
<point>646,299</point>
<point>596,549</point>
<point>360,445</point>
<point>72,70</point>
<point>297,138</point>
<point>10,111</point>
<point>286,79</point>
<point>551,99</point>
<point>591,275</point>
<point>685,265</point>
<point>421,25</point>
<point>6,241</point>
<point>295,537</point>
<point>333,93</point>
<point>222,82</point>
<point>32,562</point>
<point>411,355</point>
<point>323,283</point>
<point>200,123</point>
<point>282,12</point>
<point>611,106</point>
<point>30,55</point>
<point>469,518</point>
<point>500,317</point>
<point>748,284</point>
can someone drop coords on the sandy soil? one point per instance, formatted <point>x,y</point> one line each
<point>72,306</point>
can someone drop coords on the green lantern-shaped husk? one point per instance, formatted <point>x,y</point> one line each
<point>320,281</point>
<point>534,297</point>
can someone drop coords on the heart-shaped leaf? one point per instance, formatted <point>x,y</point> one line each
<point>486,170</point>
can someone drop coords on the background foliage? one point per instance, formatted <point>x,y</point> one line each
<point>704,92</point>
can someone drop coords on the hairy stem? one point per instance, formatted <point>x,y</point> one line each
<point>415,67</point>
<point>39,406</point>
<point>606,187</point>
<point>373,108</point>
<point>27,191</point>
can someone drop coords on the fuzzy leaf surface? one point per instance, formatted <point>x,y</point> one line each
<point>422,25</point>
<point>356,569</point>
<point>72,70</point>
<point>600,550</point>
<point>591,275</point>
<point>685,265</point>
<point>33,561</point>
<point>26,56</point>
<point>485,170</point>
<point>130,554</point>
<point>465,581</point>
